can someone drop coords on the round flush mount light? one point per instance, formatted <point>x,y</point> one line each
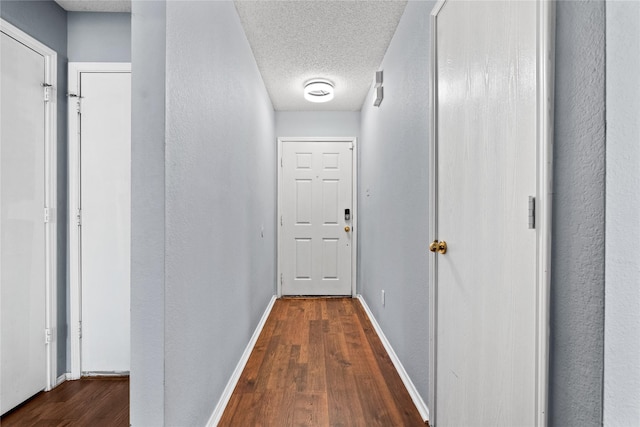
<point>318,90</point>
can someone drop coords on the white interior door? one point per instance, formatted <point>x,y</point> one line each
<point>105,203</point>
<point>316,230</point>
<point>22,227</point>
<point>488,299</point>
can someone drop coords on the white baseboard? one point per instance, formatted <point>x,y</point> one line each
<point>235,377</point>
<point>411,388</point>
<point>62,378</point>
<point>91,374</point>
<point>68,377</point>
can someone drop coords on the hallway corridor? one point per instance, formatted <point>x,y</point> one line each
<point>319,362</point>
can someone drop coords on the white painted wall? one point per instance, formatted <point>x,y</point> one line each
<point>622,289</point>
<point>393,195</point>
<point>317,123</point>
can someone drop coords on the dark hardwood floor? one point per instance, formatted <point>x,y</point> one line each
<point>319,362</point>
<point>85,402</point>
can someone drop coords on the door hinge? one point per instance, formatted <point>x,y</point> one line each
<point>351,146</point>
<point>281,278</point>
<point>281,222</point>
<point>80,329</point>
<point>532,212</point>
<point>78,217</point>
<point>47,215</point>
<point>47,91</point>
<point>281,164</point>
<point>77,100</point>
<point>47,336</point>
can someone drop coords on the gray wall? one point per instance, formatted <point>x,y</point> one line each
<point>219,192</point>
<point>393,196</point>
<point>47,22</point>
<point>577,282</point>
<point>318,123</point>
<point>622,291</point>
<point>99,37</point>
<point>148,54</point>
<point>220,189</point>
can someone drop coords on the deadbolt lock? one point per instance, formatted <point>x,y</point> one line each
<point>440,247</point>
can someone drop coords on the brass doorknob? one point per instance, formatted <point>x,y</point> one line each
<point>347,229</point>
<point>440,247</point>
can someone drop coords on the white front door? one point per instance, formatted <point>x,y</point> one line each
<point>105,204</point>
<point>22,227</point>
<point>488,304</point>
<point>316,218</point>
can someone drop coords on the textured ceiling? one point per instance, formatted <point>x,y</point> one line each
<point>342,41</point>
<point>95,5</point>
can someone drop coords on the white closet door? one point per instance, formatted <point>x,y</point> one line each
<point>22,228</point>
<point>105,140</point>
<point>487,306</point>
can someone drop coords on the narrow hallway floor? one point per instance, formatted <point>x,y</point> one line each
<point>319,362</point>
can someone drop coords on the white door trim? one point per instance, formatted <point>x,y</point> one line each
<point>75,276</point>
<point>544,183</point>
<point>354,195</point>
<point>51,199</point>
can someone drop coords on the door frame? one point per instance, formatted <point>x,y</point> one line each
<point>75,265</point>
<point>354,204</point>
<point>544,191</point>
<point>51,194</point>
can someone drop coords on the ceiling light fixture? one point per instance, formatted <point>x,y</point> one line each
<point>318,90</point>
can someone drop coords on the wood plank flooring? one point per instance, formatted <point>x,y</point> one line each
<point>85,402</point>
<point>319,362</point>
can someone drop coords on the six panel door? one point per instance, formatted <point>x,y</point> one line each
<point>316,218</point>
